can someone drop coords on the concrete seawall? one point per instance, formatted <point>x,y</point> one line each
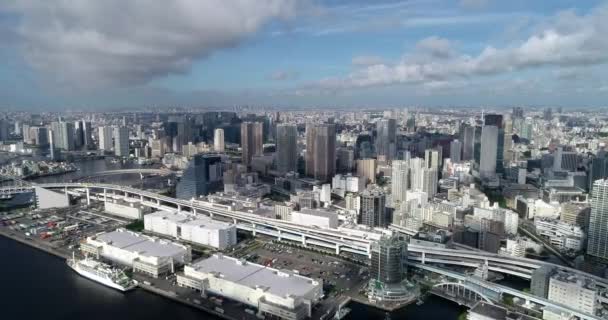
<point>64,255</point>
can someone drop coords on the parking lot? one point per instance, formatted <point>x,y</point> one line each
<point>339,276</point>
<point>58,228</point>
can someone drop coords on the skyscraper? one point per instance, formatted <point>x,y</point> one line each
<point>388,260</point>
<point>105,138</point>
<point>321,151</point>
<point>597,170</point>
<point>202,176</point>
<point>218,140</point>
<point>497,121</point>
<point>52,151</point>
<point>399,180</point>
<point>251,141</point>
<point>518,113</point>
<point>432,158</point>
<point>63,135</point>
<point>422,178</point>
<point>487,153</point>
<point>597,239</point>
<point>373,207</point>
<point>455,151</point>
<point>287,148</point>
<point>121,141</point>
<point>386,130</point>
<point>86,135</point>
<point>468,142</point>
<point>366,169</point>
<point>4,131</point>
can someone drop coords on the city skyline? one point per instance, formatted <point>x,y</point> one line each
<point>289,53</point>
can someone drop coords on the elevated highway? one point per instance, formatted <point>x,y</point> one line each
<point>332,239</point>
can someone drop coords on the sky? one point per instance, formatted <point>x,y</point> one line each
<point>95,55</point>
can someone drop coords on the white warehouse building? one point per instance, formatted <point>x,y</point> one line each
<point>315,217</point>
<point>197,229</point>
<point>143,253</point>
<point>282,294</point>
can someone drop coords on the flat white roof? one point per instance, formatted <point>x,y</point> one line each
<point>208,223</point>
<point>254,275</point>
<point>143,245</point>
<point>187,219</point>
<point>176,217</point>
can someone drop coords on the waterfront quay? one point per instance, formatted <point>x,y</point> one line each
<point>55,241</point>
<point>60,232</point>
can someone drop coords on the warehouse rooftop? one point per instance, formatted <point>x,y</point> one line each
<point>144,245</point>
<point>280,283</point>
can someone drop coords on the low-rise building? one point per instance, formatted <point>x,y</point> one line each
<point>562,235</point>
<point>198,229</point>
<point>575,291</point>
<point>315,217</point>
<point>281,294</point>
<point>143,253</point>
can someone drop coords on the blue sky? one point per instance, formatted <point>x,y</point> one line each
<point>130,53</point>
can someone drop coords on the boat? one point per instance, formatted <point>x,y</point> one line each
<point>341,313</point>
<point>102,273</point>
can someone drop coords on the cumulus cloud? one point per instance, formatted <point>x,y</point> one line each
<point>569,40</point>
<point>116,42</point>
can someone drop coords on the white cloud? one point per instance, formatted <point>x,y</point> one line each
<point>115,42</point>
<point>578,41</point>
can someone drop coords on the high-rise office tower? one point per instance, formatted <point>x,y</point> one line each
<point>468,142</point>
<point>597,170</point>
<point>25,133</point>
<point>218,140</point>
<point>547,114</point>
<point>40,136</point>
<point>287,148</point>
<point>251,141</point>
<point>87,142</point>
<point>455,151</point>
<point>321,151</point>
<point>432,158</point>
<point>386,130</point>
<point>366,169</point>
<point>422,178</point>
<point>346,159</point>
<point>488,150</point>
<point>121,141</point>
<point>507,141</point>
<point>429,181</point>
<point>497,121</point>
<point>78,134</point>
<point>597,239</point>
<point>373,207</point>
<point>52,151</point>
<point>105,138</point>
<point>63,135</point>
<point>399,180</point>
<point>4,130</point>
<point>388,259</point>
<point>565,160</point>
<point>202,176</point>
<point>518,113</point>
